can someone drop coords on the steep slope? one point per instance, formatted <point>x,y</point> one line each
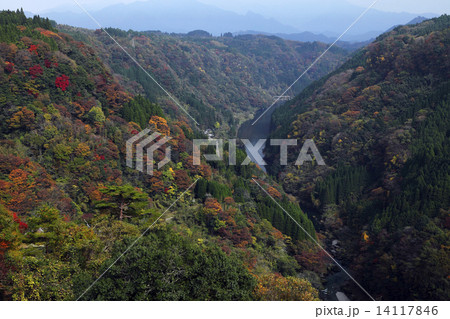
<point>69,205</point>
<point>381,122</point>
<point>222,81</point>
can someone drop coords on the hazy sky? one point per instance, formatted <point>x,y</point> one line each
<point>242,6</point>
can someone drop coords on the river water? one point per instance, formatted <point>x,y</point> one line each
<point>261,130</point>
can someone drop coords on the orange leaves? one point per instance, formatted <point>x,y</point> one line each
<point>27,185</point>
<point>228,200</point>
<point>115,96</point>
<point>48,33</point>
<point>24,118</point>
<point>157,184</point>
<point>312,258</point>
<point>274,287</point>
<point>159,124</point>
<point>213,206</point>
<point>274,193</point>
<point>351,113</point>
<point>182,179</point>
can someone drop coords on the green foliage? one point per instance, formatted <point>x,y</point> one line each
<point>344,184</point>
<point>140,110</point>
<point>123,201</point>
<point>9,20</point>
<point>381,121</point>
<point>166,266</point>
<point>269,210</point>
<point>215,189</point>
<point>60,148</point>
<point>96,115</point>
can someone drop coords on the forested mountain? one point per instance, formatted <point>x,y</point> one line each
<point>382,125</point>
<point>69,205</point>
<point>222,81</point>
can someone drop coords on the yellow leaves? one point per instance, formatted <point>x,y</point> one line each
<point>201,70</point>
<point>159,124</point>
<point>372,90</point>
<point>365,236</point>
<point>278,288</point>
<point>83,150</point>
<point>394,159</point>
<point>22,118</point>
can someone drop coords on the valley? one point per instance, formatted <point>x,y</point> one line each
<point>70,203</point>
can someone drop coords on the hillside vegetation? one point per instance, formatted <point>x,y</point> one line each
<point>221,81</point>
<point>69,206</point>
<point>381,122</point>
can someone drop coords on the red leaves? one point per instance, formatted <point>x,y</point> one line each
<point>22,226</point>
<point>35,71</point>
<point>182,179</point>
<point>9,67</point>
<point>62,82</point>
<point>47,63</point>
<point>33,48</point>
<point>99,157</point>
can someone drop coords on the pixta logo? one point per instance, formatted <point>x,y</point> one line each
<point>142,147</point>
<point>254,149</point>
<point>149,143</point>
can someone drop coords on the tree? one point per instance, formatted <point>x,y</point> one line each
<point>212,206</point>
<point>274,287</point>
<point>168,266</point>
<point>182,179</point>
<point>62,82</point>
<point>96,115</point>
<point>123,199</point>
<point>24,118</point>
<point>10,240</point>
<point>159,124</point>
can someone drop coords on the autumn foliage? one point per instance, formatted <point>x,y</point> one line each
<point>159,124</point>
<point>62,82</point>
<point>213,206</point>
<point>274,287</point>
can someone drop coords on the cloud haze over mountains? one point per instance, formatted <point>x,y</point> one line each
<point>326,17</point>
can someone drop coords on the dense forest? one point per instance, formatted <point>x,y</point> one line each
<point>222,81</point>
<point>382,123</point>
<point>69,205</point>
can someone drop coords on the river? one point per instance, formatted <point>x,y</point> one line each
<point>260,130</point>
<point>334,282</point>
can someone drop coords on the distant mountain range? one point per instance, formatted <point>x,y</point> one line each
<point>178,16</point>
<point>352,42</point>
<point>323,21</point>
